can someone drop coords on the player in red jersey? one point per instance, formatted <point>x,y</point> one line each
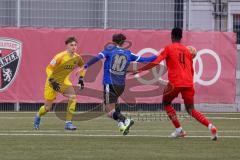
<point>179,62</point>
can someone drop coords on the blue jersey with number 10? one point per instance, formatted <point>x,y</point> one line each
<point>116,63</point>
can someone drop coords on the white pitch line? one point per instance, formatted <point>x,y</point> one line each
<point>104,135</point>
<point>108,130</point>
<point>24,117</point>
<point>226,113</point>
<point>148,119</point>
<point>224,118</point>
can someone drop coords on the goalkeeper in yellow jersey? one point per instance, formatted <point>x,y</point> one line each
<point>58,81</point>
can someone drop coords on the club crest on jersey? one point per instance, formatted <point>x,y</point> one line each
<point>10,57</point>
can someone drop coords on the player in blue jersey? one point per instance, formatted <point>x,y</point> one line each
<point>117,60</point>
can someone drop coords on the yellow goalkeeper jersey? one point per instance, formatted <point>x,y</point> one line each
<point>62,65</point>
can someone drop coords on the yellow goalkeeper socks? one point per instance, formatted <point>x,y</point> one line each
<point>42,111</point>
<point>70,109</point>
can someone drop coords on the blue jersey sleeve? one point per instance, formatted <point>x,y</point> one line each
<point>134,57</point>
<point>100,56</point>
<point>147,59</point>
<point>142,59</point>
<point>105,52</point>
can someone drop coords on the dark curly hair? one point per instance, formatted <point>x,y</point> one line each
<point>119,38</point>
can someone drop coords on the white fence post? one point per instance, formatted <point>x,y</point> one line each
<point>188,14</point>
<point>17,107</point>
<point>18,13</point>
<point>105,14</point>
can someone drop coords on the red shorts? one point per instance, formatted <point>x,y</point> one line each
<point>186,92</point>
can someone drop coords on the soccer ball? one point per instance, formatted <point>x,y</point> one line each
<point>192,50</point>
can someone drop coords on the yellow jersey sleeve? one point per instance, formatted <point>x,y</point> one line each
<point>53,64</point>
<point>80,64</point>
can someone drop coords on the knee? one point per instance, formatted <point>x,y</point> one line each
<point>165,104</point>
<point>73,97</point>
<point>48,106</point>
<point>72,104</point>
<point>188,110</point>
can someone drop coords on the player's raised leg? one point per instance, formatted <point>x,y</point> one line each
<point>188,96</point>
<point>167,101</point>
<point>203,120</point>
<point>114,112</point>
<point>111,94</point>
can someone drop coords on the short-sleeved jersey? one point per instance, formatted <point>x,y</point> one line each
<point>179,63</point>
<point>62,65</point>
<point>116,63</point>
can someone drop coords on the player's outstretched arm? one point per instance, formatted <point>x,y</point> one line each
<point>82,73</point>
<point>94,60</point>
<point>151,64</point>
<point>154,61</point>
<point>146,59</point>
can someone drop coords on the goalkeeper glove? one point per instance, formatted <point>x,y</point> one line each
<point>55,85</point>
<point>80,82</point>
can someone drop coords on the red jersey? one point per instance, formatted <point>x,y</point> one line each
<point>179,64</point>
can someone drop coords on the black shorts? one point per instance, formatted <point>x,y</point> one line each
<point>112,93</point>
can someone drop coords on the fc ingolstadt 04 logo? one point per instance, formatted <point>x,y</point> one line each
<point>10,58</point>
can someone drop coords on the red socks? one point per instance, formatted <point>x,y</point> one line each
<point>200,117</point>
<point>172,115</point>
<point>194,113</point>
